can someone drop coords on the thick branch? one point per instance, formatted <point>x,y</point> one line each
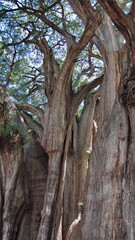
<point>31,123</point>
<point>79,10</point>
<point>78,97</point>
<point>132,10</point>
<point>122,21</point>
<point>48,54</point>
<point>11,68</point>
<point>84,10</point>
<point>36,111</point>
<point>92,20</point>
<point>51,66</point>
<point>75,50</point>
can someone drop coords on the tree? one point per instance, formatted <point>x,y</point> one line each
<point>109,204</point>
<point>51,51</point>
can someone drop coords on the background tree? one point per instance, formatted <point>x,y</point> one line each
<point>52,56</point>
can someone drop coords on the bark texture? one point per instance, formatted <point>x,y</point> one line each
<point>108,196</point>
<point>23,177</point>
<point>74,179</point>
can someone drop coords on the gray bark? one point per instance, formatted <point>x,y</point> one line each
<point>43,179</point>
<point>108,197</point>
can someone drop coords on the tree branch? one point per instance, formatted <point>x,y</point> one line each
<point>38,13</point>
<point>44,10</point>
<point>84,10</point>
<point>122,21</point>
<point>11,68</point>
<point>69,38</point>
<point>78,97</point>
<point>31,123</point>
<point>35,110</point>
<point>75,50</point>
<point>8,10</point>
<point>92,20</point>
<point>17,43</point>
<point>79,10</point>
<point>132,10</point>
<point>50,65</point>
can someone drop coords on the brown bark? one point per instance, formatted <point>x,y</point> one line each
<point>36,162</point>
<point>23,178</point>
<point>57,131</point>
<point>39,199</point>
<point>108,203</point>
<point>23,174</point>
<point>77,166</point>
<point>103,193</point>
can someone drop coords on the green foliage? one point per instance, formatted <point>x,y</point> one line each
<point>4,132</point>
<point>80,111</point>
<point>80,205</point>
<point>22,64</point>
<point>87,68</point>
<point>7,129</point>
<point>125,5</point>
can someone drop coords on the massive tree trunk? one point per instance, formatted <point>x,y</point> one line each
<point>23,177</point>
<point>109,191</point>
<point>55,135</point>
<point>61,109</point>
<point>24,171</point>
<point>74,179</point>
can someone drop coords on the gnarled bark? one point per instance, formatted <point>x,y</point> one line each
<point>108,202</point>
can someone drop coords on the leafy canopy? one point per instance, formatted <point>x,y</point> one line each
<point>21,24</point>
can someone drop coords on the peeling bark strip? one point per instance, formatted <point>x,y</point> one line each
<point>73,225</point>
